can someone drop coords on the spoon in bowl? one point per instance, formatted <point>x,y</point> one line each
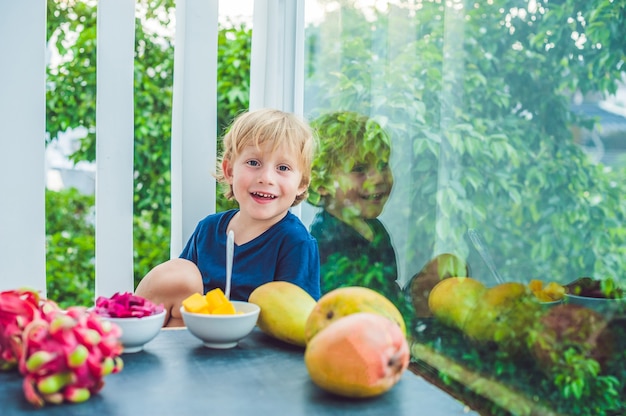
<point>230,247</point>
<point>481,247</point>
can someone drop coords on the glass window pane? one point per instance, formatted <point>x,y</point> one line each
<point>480,139</point>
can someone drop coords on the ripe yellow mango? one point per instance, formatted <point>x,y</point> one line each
<point>345,301</point>
<point>360,355</point>
<point>285,308</point>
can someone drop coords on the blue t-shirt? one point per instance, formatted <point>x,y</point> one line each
<point>286,251</point>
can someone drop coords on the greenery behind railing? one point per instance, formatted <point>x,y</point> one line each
<point>70,104</point>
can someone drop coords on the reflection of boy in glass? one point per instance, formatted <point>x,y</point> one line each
<point>351,180</point>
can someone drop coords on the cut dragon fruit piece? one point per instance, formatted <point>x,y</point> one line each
<point>126,305</point>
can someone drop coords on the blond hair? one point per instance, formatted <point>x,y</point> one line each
<point>345,138</point>
<point>279,128</point>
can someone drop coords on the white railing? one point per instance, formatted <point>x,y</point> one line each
<point>276,81</point>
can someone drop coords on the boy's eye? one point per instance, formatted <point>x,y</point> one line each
<point>360,168</point>
<point>253,162</point>
<point>283,168</point>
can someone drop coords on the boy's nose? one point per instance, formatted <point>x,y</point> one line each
<point>375,176</point>
<point>266,175</point>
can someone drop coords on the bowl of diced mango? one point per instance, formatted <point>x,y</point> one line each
<point>217,321</point>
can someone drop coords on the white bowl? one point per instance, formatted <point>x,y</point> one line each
<point>222,331</point>
<point>608,307</point>
<point>137,332</point>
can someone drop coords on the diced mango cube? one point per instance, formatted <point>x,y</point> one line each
<point>196,303</point>
<point>215,298</point>
<point>224,309</point>
<point>213,302</point>
<point>535,285</point>
<point>554,291</point>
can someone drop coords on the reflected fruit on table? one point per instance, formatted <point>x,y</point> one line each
<point>441,267</point>
<point>503,314</point>
<point>570,327</point>
<point>595,288</point>
<point>551,292</point>
<point>452,299</point>
<point>604,297</point>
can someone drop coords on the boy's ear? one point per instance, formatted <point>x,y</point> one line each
<point>322,191</point>
<point>227,169</point>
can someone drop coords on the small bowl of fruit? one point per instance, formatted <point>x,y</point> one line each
<point>217,321</point>
<point>139,319</point>
<point>604,296</point>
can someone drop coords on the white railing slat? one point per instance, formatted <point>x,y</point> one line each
<point>22,134</point>
<point>277,56</point>
<point>194,117</point>
<point>114,147</point>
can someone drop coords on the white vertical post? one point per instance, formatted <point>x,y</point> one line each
<point>114,147</point>
<point>194,117</point>
<point>277,58</point>
<point>22,134</point>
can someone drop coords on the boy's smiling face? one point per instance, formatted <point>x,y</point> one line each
<point>362,192</point>
<point>265,182</point>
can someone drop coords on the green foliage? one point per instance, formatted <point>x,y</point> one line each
<point>70,243</point>
<point>581,375</point>
<point>233,85</point>
<point>70,101</point>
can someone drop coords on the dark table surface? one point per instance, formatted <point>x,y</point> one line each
<point>177,375</point>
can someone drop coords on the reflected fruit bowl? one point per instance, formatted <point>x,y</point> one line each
<point>603,296</point>
<point>222,331</point>
<point>549,304</point>
<point>610,308</point>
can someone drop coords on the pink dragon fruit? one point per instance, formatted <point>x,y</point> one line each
<point>126,305</point>
<point>62,354</point>
<point>17,309</point>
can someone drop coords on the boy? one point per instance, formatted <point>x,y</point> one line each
<point>266,168</point>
